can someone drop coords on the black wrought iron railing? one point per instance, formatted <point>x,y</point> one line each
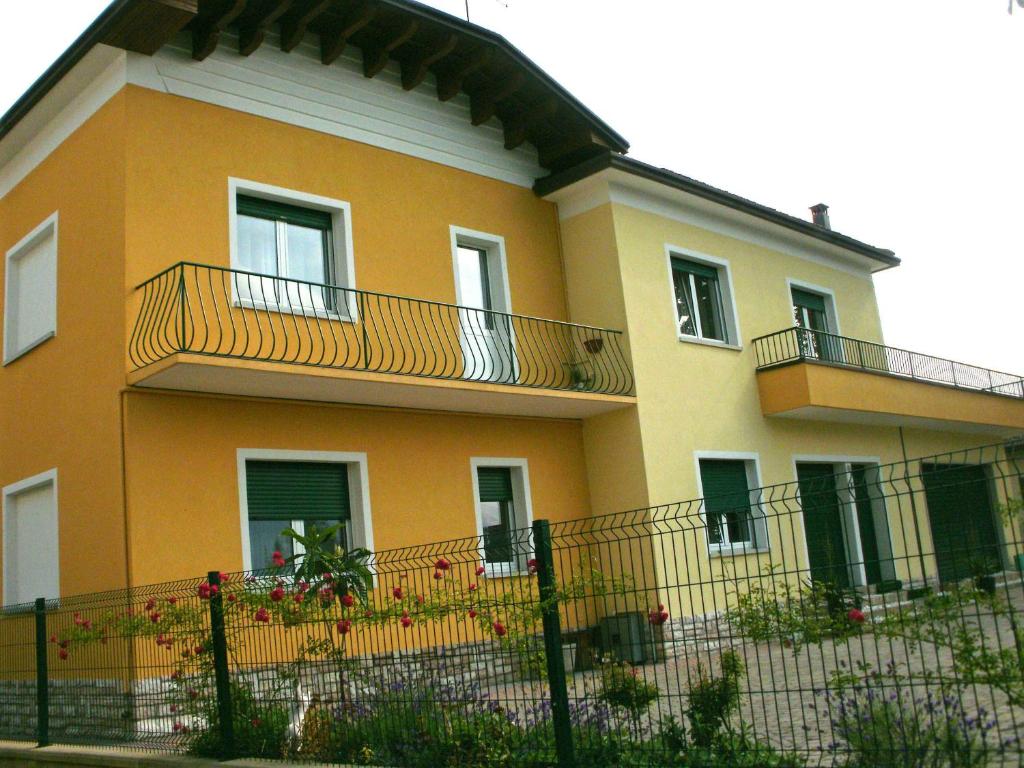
<point>801,344</point>
<point>232,313</point>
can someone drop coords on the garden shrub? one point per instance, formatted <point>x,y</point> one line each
<point>877,727</point>
<point>260,727</point>
<point>713,700</point>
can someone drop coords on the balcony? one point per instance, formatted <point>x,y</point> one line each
<point>808,374</point>
<point>211,329</point>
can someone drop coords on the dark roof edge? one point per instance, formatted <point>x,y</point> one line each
<point>98,30</point>
<point>617,141</point>
<point>75,52</point>
<point>557,181</point>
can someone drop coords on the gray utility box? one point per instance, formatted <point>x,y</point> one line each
<point>627,637</point>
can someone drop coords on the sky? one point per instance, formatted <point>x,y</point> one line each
<point>906,117</point>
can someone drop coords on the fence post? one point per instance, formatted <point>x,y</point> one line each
<point>42,677</point>
<point>220,669</point>
<point>553,644</point>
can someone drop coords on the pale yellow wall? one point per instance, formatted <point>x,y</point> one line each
<point>183,503</point>
<point>60,403</point>
<point>695,397</point>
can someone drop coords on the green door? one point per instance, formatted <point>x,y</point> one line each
<point>866,524</point>
<point>823,523</point>
<point>962,520</point>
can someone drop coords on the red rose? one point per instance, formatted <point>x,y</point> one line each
<point>298,597</point>
<point>499,629</point>
<point>63,653</point>
<point>207,590</point>
<point>472,587</point>
<point>368,614</point>
<point>223,577</point>
<point>442,564</point>
<point>532,565</point>
<point>53,639</point>
<point>303,586</point>
<point>480,570</point>
<point>472,613</point>
<point>348,601</point>
<point>419,599</point>
<point>198,650</point>
<point>172,600</point>
<point>277,594</point>
<point>256,722</point>
<point>856,616</point>
<point>173,708</point>
<point>658,617</point>
<point>397,593</point>
<point>262,615</point>
<point>438,575</point>
<point>327,594</point>
<point>154,617</point>
<point>232,597</point>
<point>344,626</point>
<point>151,604</point>
<point>406,622</point>
<point>278,559</point>
<point>177,727</point>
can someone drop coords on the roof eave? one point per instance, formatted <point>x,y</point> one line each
<point>555,182</point>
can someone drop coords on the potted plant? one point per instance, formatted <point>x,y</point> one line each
<point>593,346</point>
<point>983,571</point>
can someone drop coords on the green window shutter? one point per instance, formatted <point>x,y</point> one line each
<point>809,300</point>
<point>725,485</point>
<point>495,483</point>
<point>701,270</point>
<point>291,214</point>
<point>295,490</point>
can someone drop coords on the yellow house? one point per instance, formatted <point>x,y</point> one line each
<point>273,263</point>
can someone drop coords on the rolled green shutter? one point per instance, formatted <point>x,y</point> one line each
<point>294,490</point>
<point>693,267</point>
<point>725,485</point>
<point>271,209</point>
<point>495,483</point>
<point>809,300</point>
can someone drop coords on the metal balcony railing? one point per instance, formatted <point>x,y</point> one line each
<point>232,313</point>
<point>795,345</point>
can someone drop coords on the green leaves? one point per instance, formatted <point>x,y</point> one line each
<point>319,559</point>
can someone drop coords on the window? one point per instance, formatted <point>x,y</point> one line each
<point>814,313</point>
<point>31,566</point>
<point>475,283</point>
<point>285,241</point>
<point>305,241</point>
<point>30,291</point>
<point>728,506</point>
<point>293,494</point>
<point>503,513</point>
<point>700,311</point>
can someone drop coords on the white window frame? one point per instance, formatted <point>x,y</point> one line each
<point>842,465</point>
<point>730,312</point>
<point>521,498</point>
<point>9,494</point>
<point>341,234</point>
<point>831,308</point>
<point>497,262</point>
<point>361,520</point>
<point>49,228</point>
<point>752,463</point>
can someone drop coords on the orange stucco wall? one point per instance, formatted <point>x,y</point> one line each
<point>181,154</point>
<point>59,404</point>
<point>183,501</point>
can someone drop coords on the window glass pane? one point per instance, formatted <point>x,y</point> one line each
<point>257,252</point>
<point>265,538</point>
<point>709,304</point>
<point>727,501</point>
<point>684,303</point>
<point>340,538</point>
<point>497,526</point>
<point>306,260</point>
<point>475,287</point>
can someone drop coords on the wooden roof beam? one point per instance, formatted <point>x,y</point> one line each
<point>518,126</point>
<point>376,54</point>
<point>148,25</point>
<point>252,28</point>
<point>484,104</point>
<point>416,68</point>
<point>449,82</point>
<point>576,141</point>
<point>214,18</point>
<point>333,39</point>
<point>295,23</point>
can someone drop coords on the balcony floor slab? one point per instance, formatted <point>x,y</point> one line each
<point>217,375</point>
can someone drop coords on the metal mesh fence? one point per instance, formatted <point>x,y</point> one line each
<point>864,615</point>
